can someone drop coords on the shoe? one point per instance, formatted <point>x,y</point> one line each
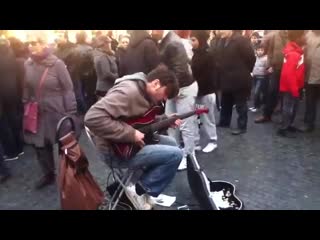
<point>10,158</point>
<point>223,125</point>
<point>305,129</point>
<point>262,119</point>
<point>139,202</point>
<point>253,109</point>
<point>238,131</point>
<point>4,178</point>
<point>285,133</point>
<point>183,164</point>
<point>292,129</point>
<point>210,147</point>
<point>45,181</point>
<point>198,148</point>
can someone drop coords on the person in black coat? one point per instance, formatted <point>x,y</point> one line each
<point>10,100</point>
<point>142,54</point>
<point>120,53</point>
<point>236,61</point>
<point>203,71</point>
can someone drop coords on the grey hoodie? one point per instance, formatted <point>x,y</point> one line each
<point>261,65</point>
<point>126,99</point>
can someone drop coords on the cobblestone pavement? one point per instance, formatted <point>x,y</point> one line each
<point>269,172</point>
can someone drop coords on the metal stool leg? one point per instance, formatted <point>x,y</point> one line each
<point>123,189</point>
<point>123,182</point>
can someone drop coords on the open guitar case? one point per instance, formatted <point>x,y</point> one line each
<point>211,195</point>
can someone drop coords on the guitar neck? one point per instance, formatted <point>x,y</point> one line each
<point>165,123</point>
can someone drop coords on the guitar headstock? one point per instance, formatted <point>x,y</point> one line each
<point>202,110</point>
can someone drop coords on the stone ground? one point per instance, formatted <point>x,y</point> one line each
<point>269,172</point>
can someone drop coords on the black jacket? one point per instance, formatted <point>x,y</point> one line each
<point>142,54</point>
<point>8,76</point>
<point>120,55</point>
<point>174,55</point>
<point>235,60</point>
<point>203,70</point>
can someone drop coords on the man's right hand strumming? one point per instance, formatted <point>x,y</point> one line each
<point>138,138</point>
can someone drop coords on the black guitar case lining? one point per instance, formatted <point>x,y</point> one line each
<point>211,195</point>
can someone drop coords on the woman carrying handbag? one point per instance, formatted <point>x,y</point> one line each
<point>48,96</point>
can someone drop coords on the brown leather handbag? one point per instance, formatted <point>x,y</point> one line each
<point>78,189</point>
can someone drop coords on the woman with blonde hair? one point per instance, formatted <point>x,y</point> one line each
<point>47,81</point>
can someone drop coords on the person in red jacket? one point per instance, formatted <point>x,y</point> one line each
<point>292,79</point>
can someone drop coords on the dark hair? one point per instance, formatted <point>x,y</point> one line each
<point>294,35</point>
<point>255,34</point>
<point>167,78</point>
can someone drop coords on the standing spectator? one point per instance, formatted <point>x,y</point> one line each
<point>120,53</point>
<point>237,60</point>
<point>255,40</point>
<point>10,98</point>
<point>142,54</point>
<point>274,43</point>
<point>260,78</point>
<point>174,55</point>
<point>292,79</point>
<point>82,73</point>
<point>105,65</point>
<point>114,42</point>
<point>312,79</point>
<point>64,49</point>
<point>56,100</point>
<point>203,72</point>
<point>185,38</point>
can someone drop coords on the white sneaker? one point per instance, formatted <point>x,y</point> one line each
<point>198,148</point>
<point>183,164</point>
<point>7,159</point>
<point>253,109</point>
<point>139,202</point>
<point>210,147</point>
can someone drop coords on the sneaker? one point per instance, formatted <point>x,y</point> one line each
<point>198,148</point>
<point>210,147</point>
<point>285,133</point>
<point>10,158</point>
<point>139,202</point>
<point>238,131</point>
<point>183,164</point>
<point>20,154</point>
<point>305,128</point>
<point>253,109</point>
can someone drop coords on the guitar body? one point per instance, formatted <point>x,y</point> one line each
<point>147,125</point>
<point>127,150</point>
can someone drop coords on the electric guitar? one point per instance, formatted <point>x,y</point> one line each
<point>147,125</point>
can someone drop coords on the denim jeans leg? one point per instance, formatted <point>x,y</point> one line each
<point>161,163</point>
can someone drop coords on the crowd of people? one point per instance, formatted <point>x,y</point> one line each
<point>103,83</point>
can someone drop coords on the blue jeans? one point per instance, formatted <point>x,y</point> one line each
<point>159,162</point>
<point>260,90</point>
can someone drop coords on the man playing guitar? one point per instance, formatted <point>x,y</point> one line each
<point>131,97</point>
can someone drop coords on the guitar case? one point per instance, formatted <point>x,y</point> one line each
<point>211,195</point>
